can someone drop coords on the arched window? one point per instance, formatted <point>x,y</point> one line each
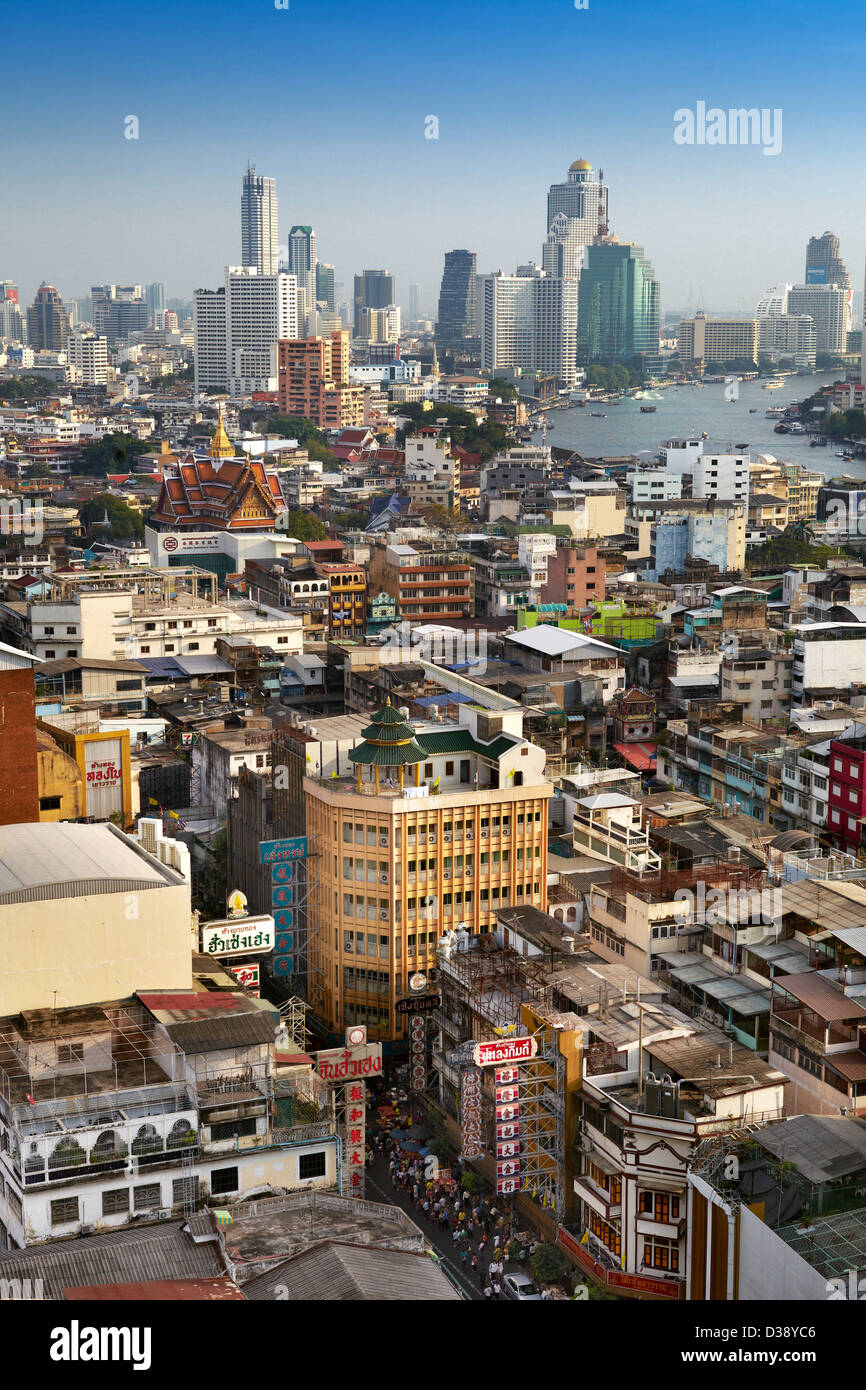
<point>109,1145</point>
<point>146,1141</point>
<point>67,1154</point>
<point>180,1135</point>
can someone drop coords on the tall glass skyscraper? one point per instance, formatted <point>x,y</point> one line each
<point>259,231</point>
<point>302,264</point>
<point>618,305</point>
<point>374,289</point>
<point>456,318</point>
<point>325,284</point>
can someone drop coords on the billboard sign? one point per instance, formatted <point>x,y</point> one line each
<point>244,936</point>
<point>489,1054</point>
<point>278,851</point>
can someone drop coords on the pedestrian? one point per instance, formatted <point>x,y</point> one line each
<point>474,1262</point>
<point>455,1236</point>
<point>463,1257</point>
<point>488,1291</point>
<point>497,1288</point>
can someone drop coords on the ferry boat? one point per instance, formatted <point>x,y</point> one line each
<point>648,409</point>
<point>775,412</point>
<point>773,384</point>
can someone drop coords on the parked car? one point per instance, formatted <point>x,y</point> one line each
<point>520,1287</point>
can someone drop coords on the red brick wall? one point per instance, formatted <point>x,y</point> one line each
<point>19,787</point>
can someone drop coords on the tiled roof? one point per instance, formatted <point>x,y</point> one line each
<point>137,1253</point>
<point>461,741</point>
<point>205,491</point>
<point>337,1272</point>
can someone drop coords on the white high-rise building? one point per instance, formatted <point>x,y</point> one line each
<point>259,230</point>
<point>259,310</point>
<point>583,201</point>
<point>788,335</point>
<point>211,369</point>
<point>529,320</point>
<point>773,301</point>
<point>828,306</point>
<point>89,353</point>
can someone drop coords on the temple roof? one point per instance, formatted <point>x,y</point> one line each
<point>389,741</point>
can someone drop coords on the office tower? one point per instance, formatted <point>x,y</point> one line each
<point>583,201</point>
<point>455,320</point>
<point>155,299</point>
<point>259,311</point>
<point>828,306</point>
<point>47,321</point>
<point>824,266</point>
<point>11,318</point>
<point>259,231</point>
<point>618,306</point>
<point>374,289</point>
<point>84,312</point>
<point>528,320</point>
<point>414,302</point>
<point>478,819</point>
<point>703,340</point>
<point>314,381</point>
<point>119,310</point>
<point>302,264</point>
<point>89,353</point>
<point>209,352</point>
<point>325,285</point>
<point>380,325</point>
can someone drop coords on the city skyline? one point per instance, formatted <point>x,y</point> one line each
<point>437,193</point>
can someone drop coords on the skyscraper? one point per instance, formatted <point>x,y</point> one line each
<point>259,311</point>
<point>47,321</point>
<point>528,320</point>
<point>155,299</point>
<point>374,289</point>
<point>827,304</point>
<point>259,230</point>
<point>211,365</point>
<point>302,264</point>
<point>824,266</point>
<point>11,319</point>
<point>618,313</point>
<point>414,302</point>
<point>325,285</point>
<point>583,201</point>
<point>455,321</point>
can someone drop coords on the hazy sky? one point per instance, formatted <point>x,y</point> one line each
<point>330,98</point>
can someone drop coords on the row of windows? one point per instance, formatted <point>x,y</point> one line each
<point>147,1196</point>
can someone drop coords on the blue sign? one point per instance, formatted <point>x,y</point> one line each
<point>816,275</point>
<point>282,873</point>
<point>275,851</point>
<point>283,897</point>
<point>284,943</point>
<point>284,965</point>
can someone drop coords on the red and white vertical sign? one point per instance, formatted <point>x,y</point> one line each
<point>470,1113</point>
<point>507,1129</point>
<point>355,1110</point>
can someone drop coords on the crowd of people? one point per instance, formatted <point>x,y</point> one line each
<point>479,1228</point>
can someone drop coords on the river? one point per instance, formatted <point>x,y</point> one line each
<point>686,411</point>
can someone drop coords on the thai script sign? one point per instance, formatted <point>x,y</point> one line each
<point>241,937</point>
<point>276,851</point>
<point>489,1054</point>
<point>343,1063</point>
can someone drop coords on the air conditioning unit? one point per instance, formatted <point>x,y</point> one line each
<point>485,834</point>
<point>86,1230</point>
<point>163,1214</point>
<point>470,834</point>
<point>383,878</point>
<point>431,839</point>
<point>383,839</point>
<point>447,839</point>
<point>469,873</point>
<point>446,873</point>
<point>506,831</point>
<point>383,916</point>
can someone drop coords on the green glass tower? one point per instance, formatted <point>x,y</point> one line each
<point>618,306</point>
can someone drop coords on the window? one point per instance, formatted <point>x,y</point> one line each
<point>50,652</point>
<point>49,803</point>
<point>312,1165</point>
<point>184,1190</point>
<point>231,1128</point>
<point>146,1197</point>
<point>192,646</point>
<point>64,1211</point>
<point>115,1201</point>
<point>68,1052</point>
<point>223,1180</point>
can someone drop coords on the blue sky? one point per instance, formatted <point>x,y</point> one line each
<point>331,98</point>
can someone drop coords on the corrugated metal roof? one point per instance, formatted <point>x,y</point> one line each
<point>337,1273</point>
<point>818,994</point>
<point>134,1254</point>
<point>61,860</point>
<point>231,1030</point>
<point>159,1291</point>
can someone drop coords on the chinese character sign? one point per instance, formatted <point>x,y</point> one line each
<point>355,1112</point>
<point>507,1080</point>
<point>470,1113</point>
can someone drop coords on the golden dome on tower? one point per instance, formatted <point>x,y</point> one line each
<point>580,165</point>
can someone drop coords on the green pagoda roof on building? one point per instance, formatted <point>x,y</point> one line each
<point>389,741</point>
